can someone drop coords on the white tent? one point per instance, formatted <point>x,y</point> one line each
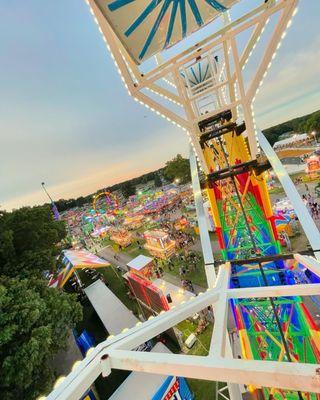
<point>291,140</point>
<point>114,315</point>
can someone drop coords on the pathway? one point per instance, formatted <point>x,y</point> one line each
<point>175,280</point>
<point>122,258</point>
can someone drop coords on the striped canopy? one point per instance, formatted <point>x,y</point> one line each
<point>197,73</point>
<point>146,27</point>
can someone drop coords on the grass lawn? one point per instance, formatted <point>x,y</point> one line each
<point>299,242</point>
<point>134,251</point>
<point>305,177</point>
<point>106,242</point>
<point>202,345</point>
<point>200,388</point>
<point>197,276</point>
<point>204,389</point>
<point>276,190</point>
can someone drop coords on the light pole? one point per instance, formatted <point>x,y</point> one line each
<point>46,192</point>
<point>314,134</point>
<point>53,206</point>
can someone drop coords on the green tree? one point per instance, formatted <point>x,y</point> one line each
<point>306,123</point>
<point>157,181</point>
<point>313,123</point>
<point>128,189</point>
<point>34,324</point>
<point>178,168</point>
<point>29,239</point>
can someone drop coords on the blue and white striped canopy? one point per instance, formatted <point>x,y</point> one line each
<point>146,27</point>
<point>198,73</point>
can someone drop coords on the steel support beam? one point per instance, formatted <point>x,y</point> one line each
<point>202,222</point>
<point>309,262</point>
<point>303,214</point>
<point>291,376</point>
<point>311,289</point>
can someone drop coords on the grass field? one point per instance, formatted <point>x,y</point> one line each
<point>196,274</point>
<point>202,345</point>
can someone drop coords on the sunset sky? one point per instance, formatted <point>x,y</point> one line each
<point>66,119</point>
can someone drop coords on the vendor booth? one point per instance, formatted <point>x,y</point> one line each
<point>159,244</point>
<point>142,266</point>
<point>133,222</point>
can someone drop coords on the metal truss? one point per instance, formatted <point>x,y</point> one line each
<point>116,352</point>
<point>166,87</point>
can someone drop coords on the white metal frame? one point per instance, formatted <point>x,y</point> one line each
<point>157,79</point>
<point>116,352</point>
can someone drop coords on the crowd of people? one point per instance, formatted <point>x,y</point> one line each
<point>311,203</point>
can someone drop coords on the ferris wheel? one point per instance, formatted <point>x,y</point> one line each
<point>111,202</point>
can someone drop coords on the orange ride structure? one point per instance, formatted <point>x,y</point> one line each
<point>121,237</point>
<point>204,87</point>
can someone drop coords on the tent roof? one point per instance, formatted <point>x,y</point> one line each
<point>146,27</point>
<point>291,139</point>
<point>114,315</point>
<point>79,258</point>
<point>139,262</point>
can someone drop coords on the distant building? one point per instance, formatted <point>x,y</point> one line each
<point>286,135</point>
<point>295,140</point>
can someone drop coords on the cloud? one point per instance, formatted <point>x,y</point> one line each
<point>290,87</point>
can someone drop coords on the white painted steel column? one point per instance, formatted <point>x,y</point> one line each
<point>202,222</point>
<point>234,389</point>
<point>305,218</point>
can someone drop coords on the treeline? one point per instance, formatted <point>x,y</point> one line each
<point>127,188</point>
<point>179,167</point>
<point>305,124</point>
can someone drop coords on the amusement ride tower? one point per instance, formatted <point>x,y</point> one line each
<point>205,90</point>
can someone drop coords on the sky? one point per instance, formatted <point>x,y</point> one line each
<point>67,120</point>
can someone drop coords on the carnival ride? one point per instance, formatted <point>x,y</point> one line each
<point>262,288</point>
<point>313,166</point>
<point>112,203</point>
<point>121,237</point>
